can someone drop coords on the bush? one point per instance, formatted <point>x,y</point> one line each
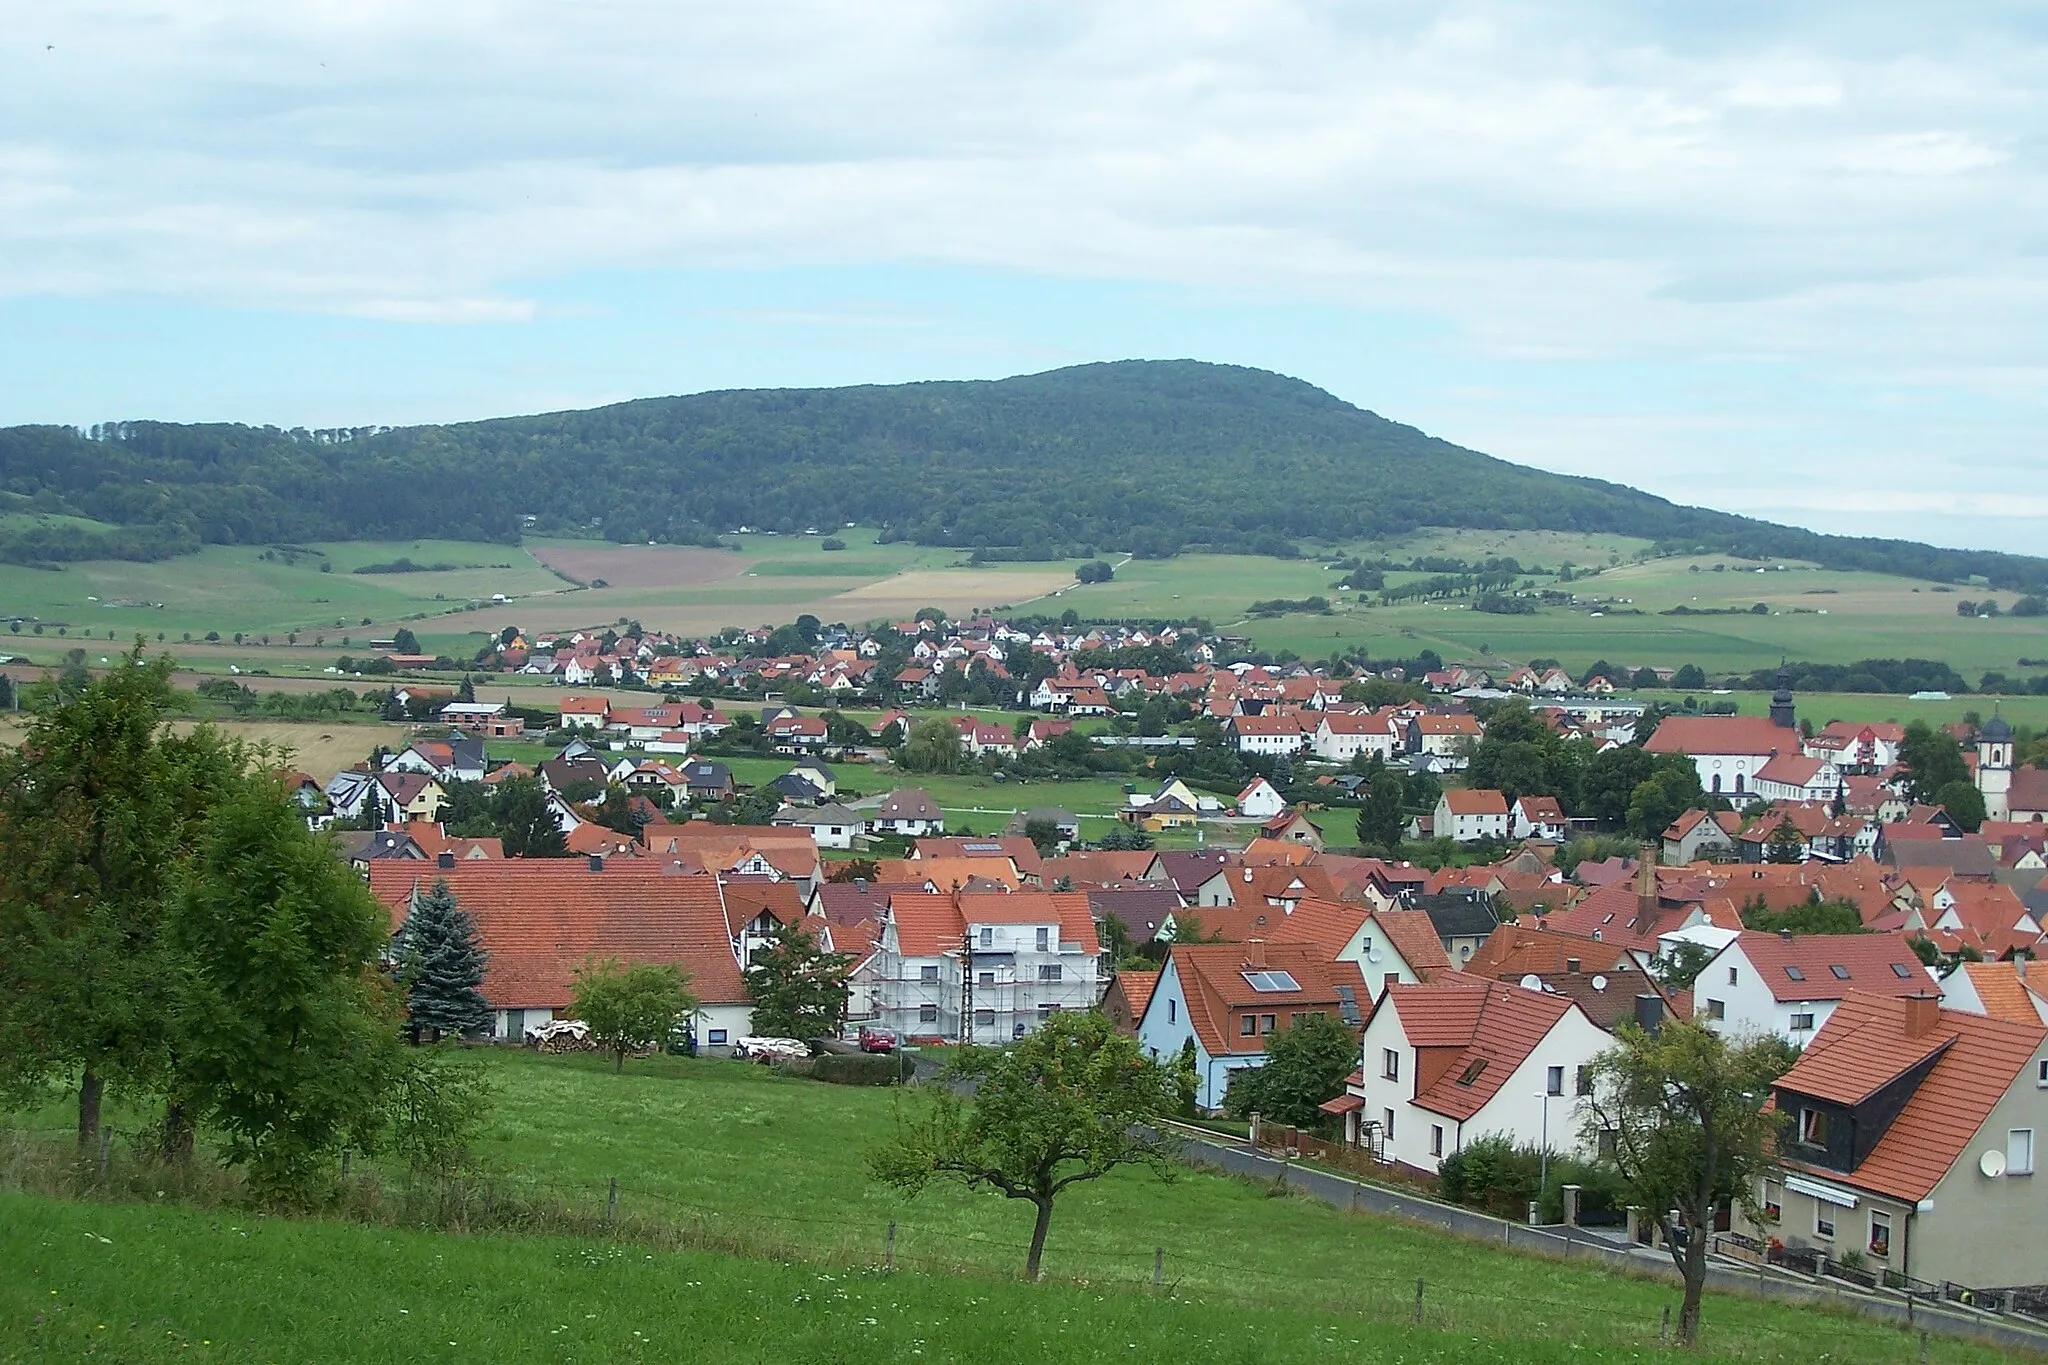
<point>859,1068</point>
<point>831,543</point>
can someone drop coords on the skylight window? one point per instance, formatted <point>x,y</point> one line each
<point>1472,1072</point>
<point>1902,971</point>
<point>1795,973</point>
<point>1271,981</point>
<point>1841,972</point>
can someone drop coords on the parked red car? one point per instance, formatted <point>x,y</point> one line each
<point>877,1040</point>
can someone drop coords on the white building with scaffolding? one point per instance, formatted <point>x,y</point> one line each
<point>982,966</point>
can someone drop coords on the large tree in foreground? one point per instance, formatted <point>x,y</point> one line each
<point>1066,1104</point>
<point>1683,1112</point>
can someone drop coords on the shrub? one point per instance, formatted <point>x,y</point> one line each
<point>858,1068</point>
<point>831,543</point>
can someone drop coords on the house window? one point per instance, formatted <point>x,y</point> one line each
<point>1267,1023</point>
<point>1049,971</point>
<point>1248,1026</point>
<point>1044,1010</point>
<point>2019,1152</point>
<point>988,938</point>
<point>1390,1064</point>
<point>1173,1011</point>
<point>984,1018</point>
<point>1436,1139</point>
<point>927,975</point>
<point>1823,1220</point>
<point>1774,1205</point>
<point>1584,1081</point>
<point>1880,1233</point>
<point>2042,1079</point>
<point>1731,975</point>
<point>1387,1123</point>
<point>1802,1023</point>
<point>988,978</point>
<point>1813,1127</point>
<point>927,1014</point>
<point>1553,1081</point>
<point>1044,940</point>
<point>716,1036</point>
<point>1717,1009</point>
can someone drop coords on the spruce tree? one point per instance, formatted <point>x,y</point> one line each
<point>444,966</point>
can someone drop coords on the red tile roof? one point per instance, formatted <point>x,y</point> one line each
<point>1475,802</point>
<point>1213,983</point>
<point>1867,1042</point>
<point>1494,1027</point>
<point>1415,938</point>
<point>539,919</point>
<point>1709,735</point>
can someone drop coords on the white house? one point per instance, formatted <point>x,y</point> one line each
<point>1539,817</point>
<point>1796,777</point>
<point>1260,800</point>
<point>831,825</point>
<point>1341,736</point>
<point>1267,734</point>
<point>1788,984</point>
<point>1466,815</point>
<point>1225,999</point>
<point>1459,1059</point>
<point>908,812</point>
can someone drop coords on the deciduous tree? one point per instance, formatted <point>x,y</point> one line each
<point>1067,1104</point>
<point>1306,1064</point>
<point>629,1008</point>
<point>799,990</point>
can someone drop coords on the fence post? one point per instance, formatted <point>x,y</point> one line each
<point>1909,1308</point>
<point>1923,1348</point>
<point>611,1203</point>
<point>1158,1266</point>
<point>889,1248</point>
<point>1418,1303</point>
<point>1664,1327</point>
<point>106,1142</point>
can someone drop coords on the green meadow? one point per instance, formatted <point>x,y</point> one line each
<point>728,1155</point>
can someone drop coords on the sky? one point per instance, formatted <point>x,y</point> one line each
<point>1789,261</point>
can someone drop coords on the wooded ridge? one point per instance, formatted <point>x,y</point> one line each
<point>1155,457</point>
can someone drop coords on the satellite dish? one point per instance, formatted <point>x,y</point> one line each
<point>1531,982</point>
<point>1992,1163</point>
<point>1599,983</point>
<point>1373,956</point>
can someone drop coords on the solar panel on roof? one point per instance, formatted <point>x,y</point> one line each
<point>981,848</point>
<point>1271,981</point>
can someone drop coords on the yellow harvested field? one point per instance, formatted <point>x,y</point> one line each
<point>319,748</point>
<point>951,589</point>
<point>641,566</point>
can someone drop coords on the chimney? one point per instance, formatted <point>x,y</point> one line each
<point>1646,889</point>
<point>597,862</point>
<point>1255,952</point>
<point>1571,966</point>
<point>1784,936</point>
<point>2019,967</point>
<point>444,859</point>
<point>1389,980</point>
<point>1650,1013</point>
<point>1923,1012</point>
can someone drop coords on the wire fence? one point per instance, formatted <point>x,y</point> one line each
<point>1452,1298</point>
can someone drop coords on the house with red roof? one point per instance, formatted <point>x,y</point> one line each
<point>539,919</point>
<point>1228,998</point>
<point>1911,1139</point>
<point>1538,817</point>
<point>1260,800</point>
<point>1727,751</point>
<point>1467,815</point>
<point>1797,777</point>
<point>1788,984</point>
<point>1461,1058</point>
<point>585,713</point>
<point>1270,732</point>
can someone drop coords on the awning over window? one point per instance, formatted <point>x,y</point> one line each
<point>1343,1104</point>
<point>1821,1190</point>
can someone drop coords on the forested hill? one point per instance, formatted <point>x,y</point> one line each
<point>1150,456</point>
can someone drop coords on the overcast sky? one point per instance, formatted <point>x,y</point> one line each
<point>1785,260</point>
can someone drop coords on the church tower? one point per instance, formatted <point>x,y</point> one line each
<point>1994,767</point>
<point>1781,701</point>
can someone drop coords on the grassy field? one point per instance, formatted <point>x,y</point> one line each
<point>1862,708</point>
<point>738,1156</point>
<point>1810,613</point>
<point>160,1284</point>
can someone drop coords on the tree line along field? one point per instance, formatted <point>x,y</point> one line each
<point>731,1155</point>
<point>1813,614</point>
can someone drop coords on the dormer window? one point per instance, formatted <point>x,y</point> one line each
<point>1813,1127</point>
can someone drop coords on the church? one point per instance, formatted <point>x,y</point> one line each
<point>2010,792</point>
<point>1731,751</point>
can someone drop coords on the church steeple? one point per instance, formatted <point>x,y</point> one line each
<point>1782,711</point>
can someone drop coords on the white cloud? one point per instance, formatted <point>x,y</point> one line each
<point>1850,194</point>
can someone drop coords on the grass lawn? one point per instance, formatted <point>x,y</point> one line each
<point>135,1283</point>
<point>733,1154</point>
<point>1862,708</point>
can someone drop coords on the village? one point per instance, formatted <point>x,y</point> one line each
<point>1803,895</point>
